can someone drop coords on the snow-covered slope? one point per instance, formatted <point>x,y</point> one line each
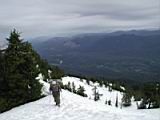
<point>106,94</point>
<point>75,107</point>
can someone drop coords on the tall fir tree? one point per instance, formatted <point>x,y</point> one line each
<point>116,104</point>
<point>96,94</point>
<point>20,71</point>
<point>81,90</point>
<point>57,73</point>
<point>126,99</point>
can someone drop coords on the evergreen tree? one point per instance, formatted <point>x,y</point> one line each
<point>19,82</point>
<point>1,69</point>
<point>142,104</point>
<point>96,94</point>
<point>116,104</point>
<point>57,73</point>
<point>88,82</point>
<point>73,88</point>
<point>43,67</point>
<point>3,85</point>
<point>109,102</point>
<point>151,95</point>
<point>16,83</point>
<point>68,87</point>
<point>31,71</point>
<point>80,91</point>
<point>126,100</point>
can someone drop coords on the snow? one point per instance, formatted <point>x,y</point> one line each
<point>45,88</point>
<point>106,95</point>
<point>122,87</point>
<point>75,107</point>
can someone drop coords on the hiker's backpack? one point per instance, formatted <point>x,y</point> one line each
<point>55,88</point>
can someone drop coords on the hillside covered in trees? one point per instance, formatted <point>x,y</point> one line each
<point>131,55</point>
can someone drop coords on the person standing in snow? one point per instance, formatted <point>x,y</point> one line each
<point>55,89</point>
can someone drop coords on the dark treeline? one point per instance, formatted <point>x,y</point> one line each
<point>19,66</point>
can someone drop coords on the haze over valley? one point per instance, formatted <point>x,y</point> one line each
<point>124,55</point>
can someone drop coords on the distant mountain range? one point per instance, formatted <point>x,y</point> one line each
<point>129,55</point>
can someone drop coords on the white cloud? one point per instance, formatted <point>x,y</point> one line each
<point>62,17</point>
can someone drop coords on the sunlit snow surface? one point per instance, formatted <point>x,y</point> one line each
<point>74,107</point>
<point>106,95</point>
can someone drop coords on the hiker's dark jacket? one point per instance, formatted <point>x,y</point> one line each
<point>55,88</point>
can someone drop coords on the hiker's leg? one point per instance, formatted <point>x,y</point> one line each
<point>54,96</point>
<point>58,98</point>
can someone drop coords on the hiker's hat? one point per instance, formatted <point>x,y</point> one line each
<point>54,82</point>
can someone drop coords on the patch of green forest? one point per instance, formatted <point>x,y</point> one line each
<point>20,64</point>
